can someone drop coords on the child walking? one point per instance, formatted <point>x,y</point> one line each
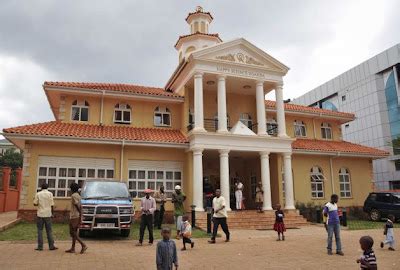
<point>389,233</point>
<point>186,233</point>
<point>279,226</point>
<point>368,259</point>
<point>166,255</point>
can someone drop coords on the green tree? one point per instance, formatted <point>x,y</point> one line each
<point>11,158</point>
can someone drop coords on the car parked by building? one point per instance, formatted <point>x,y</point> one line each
<point>379,205</point>
<point>106,205</point>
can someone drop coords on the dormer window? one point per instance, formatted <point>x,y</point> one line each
<point>122,114</point>
<point>326,131</point>
<point>162,117</point>
<point>80,110</point>
<point>245,118</point>
<point>300,129</point>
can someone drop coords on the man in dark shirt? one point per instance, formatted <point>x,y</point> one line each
<point>178,197</point>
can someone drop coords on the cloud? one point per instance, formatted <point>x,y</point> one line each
<point>132,42</point>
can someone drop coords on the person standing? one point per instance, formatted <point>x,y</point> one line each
<point>160,198</point>
<point>219,217</point>
<point>147,206</point>
<point>44,202</point>
<point>239,194</point>
<point>279,225</point>
<point>259,197</point>
<point>178,197</point>
<point>166,255</point>
<point>333,223</point>
<point>74,219</point>
<point>389,233</point>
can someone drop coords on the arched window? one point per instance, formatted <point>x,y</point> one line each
<point>317,182</point>
<point>122,113</point>
<point>300,129</point>
<point>162,117</point>
<point>196,27</point>
<point>245,118</point>
<point>326,131</point>
<point>80,110</point>
<point>344,182</point>
<point>272,126</point>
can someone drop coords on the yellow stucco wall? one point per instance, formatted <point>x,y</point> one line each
<point>360,173</point>
<point>99,151</point>
<point>142,112</point>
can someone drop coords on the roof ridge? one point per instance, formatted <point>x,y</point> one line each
<point>101,83</point>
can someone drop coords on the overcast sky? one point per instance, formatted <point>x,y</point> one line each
<point>132,42</point>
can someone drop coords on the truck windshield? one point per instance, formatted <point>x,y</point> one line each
<point>105,190</point>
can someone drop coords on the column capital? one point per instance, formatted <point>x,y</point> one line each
<point>221,77</point>
<point>197,151</point>
<point>260,83</point>
<point>198,74</point>
<point>264,154</point>
<point>279,86</point>
<point>224,152</point>
<point>287,155</point>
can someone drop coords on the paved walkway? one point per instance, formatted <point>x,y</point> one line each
<point>7,219</point>
<point>303,249</point>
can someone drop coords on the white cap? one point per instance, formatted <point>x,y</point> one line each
<point>178,187</point>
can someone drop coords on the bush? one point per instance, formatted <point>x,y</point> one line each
<point>310,211</point>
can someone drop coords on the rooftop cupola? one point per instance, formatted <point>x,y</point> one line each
<point>199,37</point>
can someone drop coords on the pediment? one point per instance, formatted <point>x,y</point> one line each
<point>241,129</point>
<point>240,52</point>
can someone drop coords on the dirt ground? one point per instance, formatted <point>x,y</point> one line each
<point>303,249</point>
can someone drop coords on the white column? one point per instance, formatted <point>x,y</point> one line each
<point>222,104</point>
<point>280,111</point>
<point>198,102</point>
<point>260,101</point>
<point>266,180</point>
<point>288,178</point>
<point>224,176</point>
<point>198,179</point>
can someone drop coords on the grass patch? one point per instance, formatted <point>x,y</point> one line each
<point>367,225</point>
<point>28,232</point>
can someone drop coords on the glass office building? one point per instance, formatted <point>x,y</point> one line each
<point>371,91</point>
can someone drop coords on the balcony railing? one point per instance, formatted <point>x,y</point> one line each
<point>211,125</point>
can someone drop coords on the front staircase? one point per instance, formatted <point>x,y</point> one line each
<point>250,219</point>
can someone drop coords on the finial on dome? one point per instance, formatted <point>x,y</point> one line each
<point>199,9</point>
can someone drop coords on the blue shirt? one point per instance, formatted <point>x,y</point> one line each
<point>166,255</point>
<point>332,210</point>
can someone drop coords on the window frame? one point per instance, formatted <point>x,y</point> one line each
<point>246,119</point>
<point>127,108</point>
<point>299,125</point>
<point>165,180</point>
<point>325,127</point>
<point>78,105</point>
<point>272,126</point>
<point>346,192</point>
<point>317,180</point>
<point>162,110</point>
<point>74,177</point>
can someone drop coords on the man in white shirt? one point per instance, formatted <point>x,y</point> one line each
<point>239,194</point>
<point>44,203</point>
<point>219,217</point>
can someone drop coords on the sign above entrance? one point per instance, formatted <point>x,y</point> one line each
<point>240,72</point>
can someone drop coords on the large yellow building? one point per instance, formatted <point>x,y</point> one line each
<point>211,121</point>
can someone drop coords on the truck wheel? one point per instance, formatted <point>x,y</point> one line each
<point>375,215</point>
<point>125,233</point>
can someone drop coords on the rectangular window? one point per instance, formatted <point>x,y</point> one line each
<point>344,98</point>
<point>326,133</point>
<point>397,164</point>
<point>60,179</point>
<point>169,179</point>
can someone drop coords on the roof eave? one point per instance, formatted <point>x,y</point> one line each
<point>338,153</point>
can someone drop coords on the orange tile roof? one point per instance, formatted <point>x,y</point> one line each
<point>197,34</point>
<point>335,147</point>
<point>75,130</point>
<point>199,12</point>
<point>305,109</point>
<point>118,87</point>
